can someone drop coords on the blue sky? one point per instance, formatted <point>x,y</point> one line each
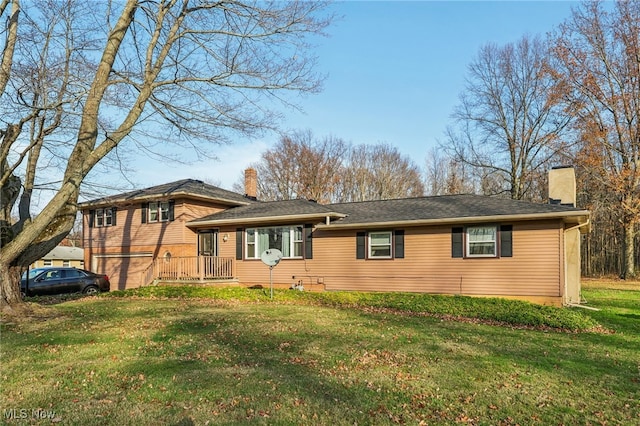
<point>394,74</point>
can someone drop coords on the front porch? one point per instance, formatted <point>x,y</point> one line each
<point>189,269</point>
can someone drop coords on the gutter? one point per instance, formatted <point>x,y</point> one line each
<point>586,224</point>
<point>456,220</point>
<point>267,219</point>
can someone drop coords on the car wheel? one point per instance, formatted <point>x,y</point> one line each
<point>23,294</point>
<point>91,290</point>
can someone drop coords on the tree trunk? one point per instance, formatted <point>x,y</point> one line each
<point>629,249</point>
<point>9,286</point>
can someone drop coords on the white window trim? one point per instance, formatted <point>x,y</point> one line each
<point>468,241</point>
<point>153,207</point>
<point>292,241</point>
<point>161,209</point>
<point>370,245</point>
<point>99,218</point>
<point>103,217</point>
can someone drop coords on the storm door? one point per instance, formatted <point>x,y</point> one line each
<point>208,248</point>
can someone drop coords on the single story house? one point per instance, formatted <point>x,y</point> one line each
<point>453,244</point>
<point>61,256</point>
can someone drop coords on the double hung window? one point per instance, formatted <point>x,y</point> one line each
<point>481,241</point>
<point>103,217</point>
<point>157,211</point>
<point>380,245</point>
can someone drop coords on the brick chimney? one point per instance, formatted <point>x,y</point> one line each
<point>251,183</point>
<point>562,186</point>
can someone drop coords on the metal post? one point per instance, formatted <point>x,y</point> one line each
<point>271,280</point>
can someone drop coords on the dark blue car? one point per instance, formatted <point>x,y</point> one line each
<point>41,281</point>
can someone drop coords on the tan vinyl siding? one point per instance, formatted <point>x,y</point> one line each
<point>534,269</point>
<point>130,232</point>
<point>58,262</point>
<point>132,237</point>
<point>124,271</point>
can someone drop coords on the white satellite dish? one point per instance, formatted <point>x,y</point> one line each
<point>271,257</point>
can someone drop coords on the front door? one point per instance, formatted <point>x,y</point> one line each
<point>208,247</point>
<point>208,243</point>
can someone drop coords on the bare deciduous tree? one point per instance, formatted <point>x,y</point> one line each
<point>597,67</point>
<point>81,78</point>
<point>379,172</point>
<point>445,175</point>
<point>329,171</point>
<point>300,166</point>
<point>510,122</point>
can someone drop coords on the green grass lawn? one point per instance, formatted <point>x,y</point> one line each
<point>180,357</point>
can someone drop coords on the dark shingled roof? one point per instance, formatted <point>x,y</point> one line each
<point>269,209</point>
<point>448,207</point>
<point>190,187</point>
<point>441,207</point>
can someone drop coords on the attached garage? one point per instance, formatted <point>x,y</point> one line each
<point>125,270</point>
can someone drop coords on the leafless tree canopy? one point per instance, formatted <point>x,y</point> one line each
<point>379,172</point>
<point>300,166</point>
<point>330,170</point>
<point>597,68</point>
<point>445,175</point>
<point>509,123</point>
<point>79,78</point>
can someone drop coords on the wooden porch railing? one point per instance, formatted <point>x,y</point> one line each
<point>189,268</point>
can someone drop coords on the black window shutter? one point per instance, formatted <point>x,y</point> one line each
<point>92,215</point>
<point>308,241</point>
<point>506,241</point>
<point>360,244</point>
<point>145,207</point>
<point>239,244</point>
<point>456,242</point>
<point>399,245</point>
<point>172,205</point>
<point>114,211</point>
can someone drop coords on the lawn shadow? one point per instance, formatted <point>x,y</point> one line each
<point>234,356</point>
<point>554,352</point>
